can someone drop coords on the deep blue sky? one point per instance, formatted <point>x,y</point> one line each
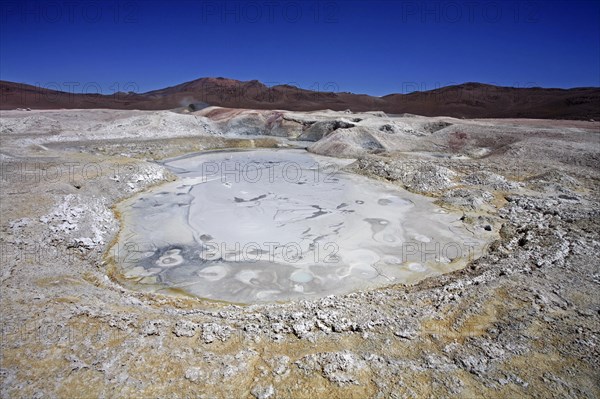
<point>363,47</point>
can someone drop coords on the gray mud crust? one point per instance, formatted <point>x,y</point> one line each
<point>521,321</point>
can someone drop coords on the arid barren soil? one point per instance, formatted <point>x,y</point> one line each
<point>523,320</point>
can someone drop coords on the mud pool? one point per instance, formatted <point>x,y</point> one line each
<point>273,225</point>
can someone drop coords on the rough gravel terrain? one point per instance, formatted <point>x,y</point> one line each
<point>521,321</point>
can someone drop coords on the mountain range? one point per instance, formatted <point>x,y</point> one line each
<point>468,100</point>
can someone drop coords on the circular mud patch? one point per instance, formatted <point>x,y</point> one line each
<point>271,225</point>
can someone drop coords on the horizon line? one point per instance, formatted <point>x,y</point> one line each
<point>55,86</point>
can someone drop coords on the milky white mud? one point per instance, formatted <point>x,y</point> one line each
<point>268,225</point>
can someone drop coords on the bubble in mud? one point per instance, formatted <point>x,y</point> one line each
<point>206,237</point>
<point>343,271</point>
<point>362,256</point>
<point>267,294</point>
<point>422,238</point>
<point>213,273</point>
<point>416,267</point>
<point>364,270</point>
<point>247,276</point>
<point>389,238</point>
<point>301,276</point>
<point>392,260</point>
<point>170,258</point>
<point>393,200</point>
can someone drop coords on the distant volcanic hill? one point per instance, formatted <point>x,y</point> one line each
<point>468,100</point>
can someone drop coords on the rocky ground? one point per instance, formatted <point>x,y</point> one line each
<point>523,320</point>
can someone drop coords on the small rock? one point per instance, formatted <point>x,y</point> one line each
<point>212,332</point>
<point>280,365</point>
<point>406,334</point>
<point>185,328</point>
<point>261,392</point>
<point>152,327</point>
<point>301,329</point>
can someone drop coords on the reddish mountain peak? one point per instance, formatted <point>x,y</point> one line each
<point>219,81</point>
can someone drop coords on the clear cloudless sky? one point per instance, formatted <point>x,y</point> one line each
<point>372,47</point>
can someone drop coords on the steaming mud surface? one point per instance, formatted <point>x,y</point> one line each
<point>271,225</point>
